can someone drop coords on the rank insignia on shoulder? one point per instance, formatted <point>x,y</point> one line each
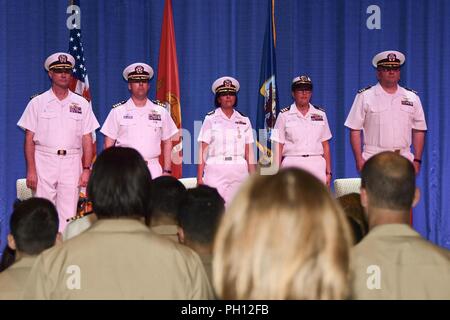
<point>35,95</point>
<point>211,112</point>
<point>241,113</point>
<point>119,104</point>
<point>413,91</point>
<point>159,103</point>
<point>319,108</point>
<point>285,109</point>
<point>364,89</point>
<point>81,96</point>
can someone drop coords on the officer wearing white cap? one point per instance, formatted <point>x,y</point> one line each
<point>140,123</point>
<point>226,138</point>
<point>390,116</point>
<point>301,133</point>
<point>58,141</point>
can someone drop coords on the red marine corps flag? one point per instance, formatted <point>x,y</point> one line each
<point>168,84</point>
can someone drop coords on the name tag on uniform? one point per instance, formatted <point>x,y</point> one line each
<point>316,117</point>
<point>154,116</point>
<point>128,116</point>
<point>407,103</point>
<point>240,122</point>
<point>74,108</point>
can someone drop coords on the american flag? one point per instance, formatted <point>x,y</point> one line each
<point>80,82</point>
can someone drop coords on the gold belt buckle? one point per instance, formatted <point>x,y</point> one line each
<point>61,152</point>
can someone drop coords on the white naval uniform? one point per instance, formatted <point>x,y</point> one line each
<point>302,137</point>
<point>226,167</point>
<point>59,125</point>
<point>141,128</point>
<point>387,120</point>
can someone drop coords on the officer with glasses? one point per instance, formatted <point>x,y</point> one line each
<point>388,116</point>
<point>58,128</point>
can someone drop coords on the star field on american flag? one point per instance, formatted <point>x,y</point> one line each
<point>77,51</point>
<point>80,81</point>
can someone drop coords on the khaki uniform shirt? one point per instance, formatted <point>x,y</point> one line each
<point>167,231</point>
<point>207,264</point>
<point>13,279</point>
<point>395,262</point>
<point>118,259</point>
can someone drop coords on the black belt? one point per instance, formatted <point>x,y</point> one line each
<point>61,152</point>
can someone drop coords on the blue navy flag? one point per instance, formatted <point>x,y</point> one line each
<point>267,98</point>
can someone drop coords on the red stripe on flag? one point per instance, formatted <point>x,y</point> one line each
<point>168,85</point>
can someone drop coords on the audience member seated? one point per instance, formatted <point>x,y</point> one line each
<point>283,237</point>
<point>34,228</point>
<point>351,203</point>
<point>199,213</point>
<point>393,261</point>
<point>166,192</point>
<point>119,257</point>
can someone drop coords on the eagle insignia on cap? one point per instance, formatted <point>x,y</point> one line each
<point>227,83</point>
<point>139,69</point>
<point>304,78</point>
<point>392,57</point>
<point>62,58</point>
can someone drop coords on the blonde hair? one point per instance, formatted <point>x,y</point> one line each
<point>283,237</point>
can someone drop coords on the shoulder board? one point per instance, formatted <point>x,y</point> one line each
<point>159,103</point>
<point>211,112</point>
<point>81,96</point>
<point>364,89</point>
<point>240,113</point>
<point>119,104</point>
<point>409,89</point>
<point>35,95</point>
<point>285,109</point>
<point>319,108</point>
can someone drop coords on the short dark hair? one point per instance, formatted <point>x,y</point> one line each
<point>389,180</point>
<point>199,213</point>
<point>167,192</point>
<point>34,225</point>
<point>120,184</point>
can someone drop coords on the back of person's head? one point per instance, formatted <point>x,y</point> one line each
<point>283,237</point>
<point>351,203</point>
<point>120,184</point>
<point>389,180</point>
<point>199,213</point>
<point>34,226</point>
<point>167,192</point>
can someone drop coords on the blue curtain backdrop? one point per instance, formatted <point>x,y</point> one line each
<point>329,40</point>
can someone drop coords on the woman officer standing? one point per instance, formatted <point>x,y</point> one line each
<point>301,133</point>
<point>226,138</point>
